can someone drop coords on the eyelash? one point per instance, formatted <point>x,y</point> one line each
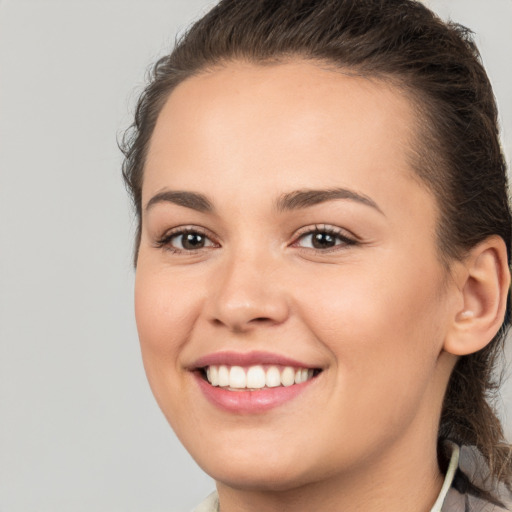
<point>336,233</point>
<point>165,241</point>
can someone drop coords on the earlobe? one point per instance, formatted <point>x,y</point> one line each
<point>484,287</point>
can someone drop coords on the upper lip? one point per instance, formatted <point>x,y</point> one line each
<point>230,358</point>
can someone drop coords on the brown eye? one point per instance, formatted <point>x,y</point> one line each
<point>189,241</point>
<point>324,239</point>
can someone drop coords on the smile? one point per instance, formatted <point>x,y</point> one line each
<point>257,377</point>
<point>253,382</point>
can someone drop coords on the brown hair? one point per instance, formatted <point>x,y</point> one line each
<point>458,155</point>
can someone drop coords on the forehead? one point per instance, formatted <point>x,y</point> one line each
<point>281,126</point>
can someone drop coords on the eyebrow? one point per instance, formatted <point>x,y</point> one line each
<point>295,200</point>
<point>191,200</point>
<point>307,198</point>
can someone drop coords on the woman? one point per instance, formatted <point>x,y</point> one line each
<point>323,256</point>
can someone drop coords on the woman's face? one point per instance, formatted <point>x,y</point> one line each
<point>284,236</point>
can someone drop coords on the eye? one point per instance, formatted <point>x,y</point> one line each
<point>185,240</point>
<point>190,241</point>
<point>323,239</point>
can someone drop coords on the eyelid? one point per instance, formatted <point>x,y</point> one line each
<point>163,242</point>
<point>344,235</point>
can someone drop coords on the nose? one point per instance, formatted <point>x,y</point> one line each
<point>248,292</point>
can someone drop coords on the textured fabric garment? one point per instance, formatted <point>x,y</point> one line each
<point>210,504</point>
<point>465,461</point>
<point>473,469</point>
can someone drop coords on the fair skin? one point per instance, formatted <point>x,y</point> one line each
<point>369,306</point>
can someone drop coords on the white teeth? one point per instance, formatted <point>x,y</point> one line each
<point>273,377</point>
<point>256,377</point>
<point>288,376</point>
<point>212,375</point>
<point>223,376</point>
<point>301,375</point>
<point>237,378</point>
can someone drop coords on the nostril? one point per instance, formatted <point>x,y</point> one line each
<point>240,326</point>
<point>243,311</point>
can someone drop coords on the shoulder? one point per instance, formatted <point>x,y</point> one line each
<point>473,489</point>
<point>210,504</point>
<point>457,502</point>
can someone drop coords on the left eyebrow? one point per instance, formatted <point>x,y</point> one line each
<point>306,198</point>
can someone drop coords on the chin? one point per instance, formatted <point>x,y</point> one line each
<point>258,469</point>
<point>266,477</point>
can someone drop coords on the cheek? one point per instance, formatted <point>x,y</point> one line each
<point>369,302</point>
<point>164,312</point>
<point>382,331</point>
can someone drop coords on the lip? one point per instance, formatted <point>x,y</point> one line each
<point>229,358</point>
<point>249,402</point>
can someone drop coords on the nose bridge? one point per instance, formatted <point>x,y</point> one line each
<point>247,290</point>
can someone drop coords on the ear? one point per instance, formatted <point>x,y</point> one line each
<point>483,283</point>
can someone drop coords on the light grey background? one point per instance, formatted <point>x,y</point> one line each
<point>79,430</point>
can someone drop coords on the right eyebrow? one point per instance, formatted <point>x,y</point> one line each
<point>191,200</point>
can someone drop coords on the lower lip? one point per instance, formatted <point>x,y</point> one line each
<point>250,402</point>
